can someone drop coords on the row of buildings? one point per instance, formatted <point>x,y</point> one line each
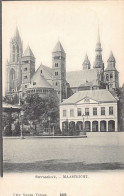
<point>87,95</point>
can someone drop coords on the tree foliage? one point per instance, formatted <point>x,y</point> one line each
<point>120,93</point>
<point>41,110</point>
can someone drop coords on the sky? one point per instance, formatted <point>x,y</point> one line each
<point>74,23</point>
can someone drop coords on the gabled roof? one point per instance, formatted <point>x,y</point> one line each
<point>46,72</point>
<point>58,48</point>
<point>39,82</point>
<point>41,78</point>
<point>97,95</point>
<point>28,52</point>
<point>77,78</point>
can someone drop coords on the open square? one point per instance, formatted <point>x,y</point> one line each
<point>96,152</point>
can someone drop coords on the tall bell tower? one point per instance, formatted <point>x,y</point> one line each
<point>59,71</point>
<point>98,64</point>
<point>28,67</point>
<point>13,66</point>
<point>111,73</point>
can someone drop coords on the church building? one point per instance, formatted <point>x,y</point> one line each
<point>22,78</point>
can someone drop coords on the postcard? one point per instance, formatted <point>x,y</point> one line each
<point>62,98</point>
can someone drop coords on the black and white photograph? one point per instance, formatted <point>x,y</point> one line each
<point>63,96</point>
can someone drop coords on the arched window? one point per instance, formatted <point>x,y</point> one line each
<point>17,57</point>
<point>56,64</point>
<point>13,58</point>
<point>111,76</point>
<point>13,48</point>
<point>17,49</point>
<point>12,74</point>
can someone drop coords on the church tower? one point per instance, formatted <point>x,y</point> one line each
<point>28,67</point>
<point>111,73</point>
<point>59,71</point>
<point>14,64</point>
<point>86,64</point>
<point>98,64</point>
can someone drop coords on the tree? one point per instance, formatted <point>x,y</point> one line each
<point>120,94</point>
<point>11,99</point>
<point>40,110</point>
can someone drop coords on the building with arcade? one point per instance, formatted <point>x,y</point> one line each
<point>97,109</point>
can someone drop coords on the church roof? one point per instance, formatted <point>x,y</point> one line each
<point>16,36</point>
<point>28,52</point>
<point>77,78</point>
<point>98,44</point>
<point>58,48</point>
<point>46,72</point>
<point>110,68</point>
<point>42,79</point>
<point>86,60</point>
<point>111,57</point>
<point>39,82</point>
<point>97,95</point>
<point>111,63</point>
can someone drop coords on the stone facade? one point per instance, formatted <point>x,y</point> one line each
<point>22,76</point>
<point>97,109</point>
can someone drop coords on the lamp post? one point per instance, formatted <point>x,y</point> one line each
<point>49,124</point>
<point>53,130</point>
<point>21,116</point>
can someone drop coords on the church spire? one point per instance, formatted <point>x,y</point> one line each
<point>16,48</point>
<point>86,64</point>
<point>111,57</point>
<point>98,38</point>
<point>16,37</point>
<point>98,44</point>
<point>98,59</point>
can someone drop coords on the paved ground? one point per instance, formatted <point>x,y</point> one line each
<point>97,151</point>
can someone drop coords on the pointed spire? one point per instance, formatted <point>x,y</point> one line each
<point>58,48</point>
<point>17,35</point>
<point>111,57</point>
<point>28,52</point>
<point>17,32</point>
<point>86,58</point>
<point>98,38</point>
<point>86,63</point>
<point>98,44</point>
